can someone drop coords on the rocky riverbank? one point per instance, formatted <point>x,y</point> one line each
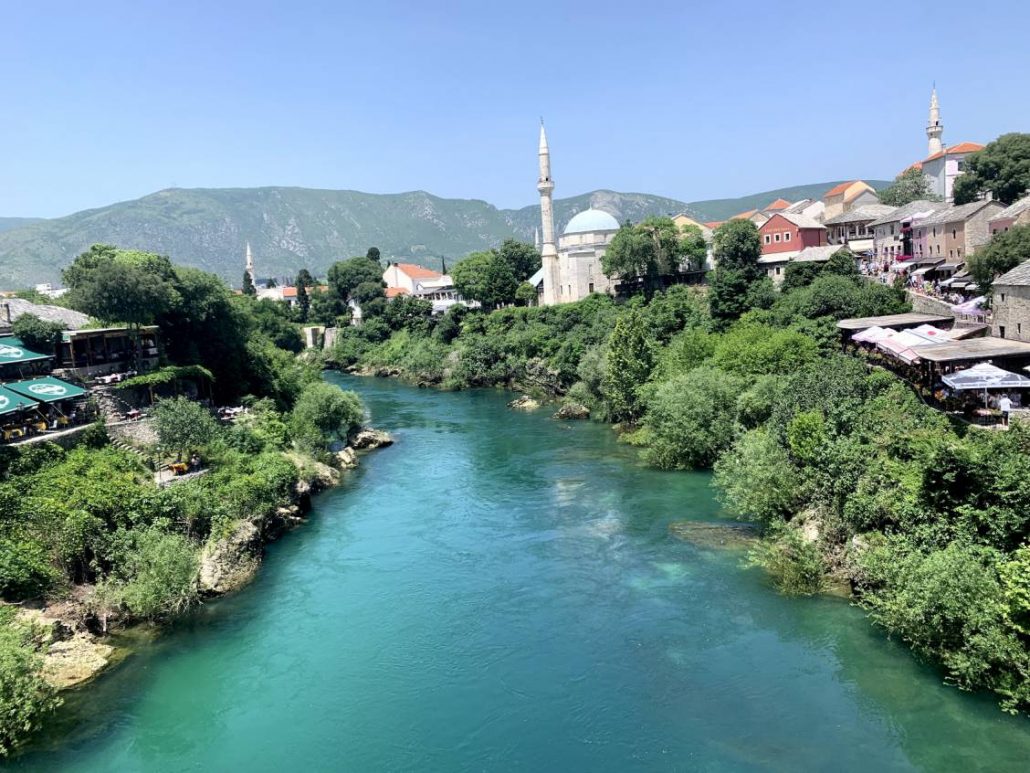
<point>77,645</point>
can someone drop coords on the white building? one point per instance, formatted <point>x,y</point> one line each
<point>570,270</point>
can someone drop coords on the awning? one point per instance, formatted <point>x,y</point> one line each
<point>859,246</point>
<point>949,266</point>
<point>921,271</point>
<point>12,350</point>
<point>873,334</point>
<point>47,389</point>
<point>12,401</point>
<point>985,376</point>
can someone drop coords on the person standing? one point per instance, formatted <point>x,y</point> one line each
<point>1005,406</point>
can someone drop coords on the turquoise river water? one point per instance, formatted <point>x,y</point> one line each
<point>499,591</point>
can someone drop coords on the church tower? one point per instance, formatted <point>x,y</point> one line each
<point>548,253</point>
<point>250,264</point>
<point>934,127</point>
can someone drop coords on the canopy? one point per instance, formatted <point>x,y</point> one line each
<point>984,376</point>
<point>873,334</point>
<point>47,389</point>
<point>973,306</point>
<point>13,350</point>
<point>12,401</point>
<point>931,334</point>
<point>900,345</point>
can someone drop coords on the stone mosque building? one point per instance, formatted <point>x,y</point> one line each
<point>571,268</point>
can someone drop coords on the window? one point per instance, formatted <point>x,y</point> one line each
<point>954,233</point>
<point>1003,297</point>
<point>1019,328</point>
<point>768,238</point>
<point>1001,331</point>
<point>776,238</point>
<point>951,253</point>
<point>777,271</point>
<point>786,236</point>
<point>590,287</point>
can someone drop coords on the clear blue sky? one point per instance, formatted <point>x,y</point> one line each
<point>110,100</point>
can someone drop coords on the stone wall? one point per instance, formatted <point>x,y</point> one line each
<point>138,434</point>
<point>924,305</point>
<point>1011,312</point>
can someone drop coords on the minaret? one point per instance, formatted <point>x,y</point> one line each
<point>548,253</point>
<point>250,264</point>
<point>934,127</point>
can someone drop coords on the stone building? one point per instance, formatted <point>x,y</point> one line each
<point>1013,215</point>
<point>852,228</point>
<point>955,232</point>
<point>571,269</point>
<point>1012,304</point>
<point>894,233</point>
<point>942,164</point>
<point>846,197</point>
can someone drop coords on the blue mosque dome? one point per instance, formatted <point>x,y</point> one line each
<point>591,221</point>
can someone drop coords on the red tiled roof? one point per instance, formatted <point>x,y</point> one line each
<point>418,272</point>
<point>956,150</point>
<point>837,190</point>
<point>778,204</point>
<point>289,292</point>
<point>714,224</point>
<point>393,292</point>
<point>744,215</point>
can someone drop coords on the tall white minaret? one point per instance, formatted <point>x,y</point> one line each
<point>250,265</point>
<point>548,253</point>
<point>934,127</point>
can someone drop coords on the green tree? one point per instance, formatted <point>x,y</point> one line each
<point>911,185</point>
<point>523,258</point>
<point>248,285</point>
<point>1002,168</point>
<point>650,250</point>
<point>485,277</point>
<point>736,246</point>
<point>25,698</point>
<point>345,276</point>
<point>373,254</point>
<point>323,412</point>
<point>1002,253</point>
<point>183,425</point>
<point>155,576</point>
<point>304,281</point>
<point>38,334</point>
<point>630,360</point>
<point>756,480</point>
<point>525,294</point>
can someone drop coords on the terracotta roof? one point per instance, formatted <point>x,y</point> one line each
<point>289,292</point>
<point>393,292</point>
<point>777,205</point>
<point>956,150</point>
<point>714,224</point>
<point>837,190</point>
<point>745,215</point>
<point>418,272</point>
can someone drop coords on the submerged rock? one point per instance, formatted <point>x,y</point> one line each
<point>369,438</point>
<point>715,535</point>
<point>524,403</point>
<point>572,411</point>
<point>229,563</point>
<point>346,459</point>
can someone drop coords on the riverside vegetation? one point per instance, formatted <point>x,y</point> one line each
<point>851,476</point>
<point>87,530</point>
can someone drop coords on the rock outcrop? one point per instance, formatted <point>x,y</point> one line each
<point>572,411</point>
<point>71,654</point>
<point>715,535</point>
<point>368,438</point>
<point>229,563</point>
<point>524,403</point>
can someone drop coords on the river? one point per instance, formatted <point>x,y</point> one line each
<point>499,591</point>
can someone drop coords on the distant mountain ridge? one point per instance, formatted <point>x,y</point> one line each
<point>7,223</point>
<point>291,228</point>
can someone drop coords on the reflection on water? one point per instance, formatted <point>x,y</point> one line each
<point>499,591</point>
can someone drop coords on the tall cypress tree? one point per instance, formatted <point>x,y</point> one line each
<point>248,285</point>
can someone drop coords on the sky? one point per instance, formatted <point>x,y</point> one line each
<point>109,100</point>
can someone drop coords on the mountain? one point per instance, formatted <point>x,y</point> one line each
<point>290,228</point>
<point>7,223</point>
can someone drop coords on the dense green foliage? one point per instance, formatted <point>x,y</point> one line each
<point>1002,253</point>
<point>911,185</point>
<point>653,249</point>
<point>24,697</point>
<point>182,425</point>
<point>1002,169</point>
<point>38,334</point>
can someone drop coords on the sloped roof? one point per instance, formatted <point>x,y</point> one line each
<point>714,224</point>
<point>1014,210</point>
<point>72,320</point>
<point>837,190</point>
<point>956,214</point>
<point>777,205</point>
<point>819,254</point>
<point>801,221</point>
<point>956,150</point>
<point>415,271</point>
<point>746,215</point>
<point>910,210</point>
<point>393,292</point>
<point>1019,276</point>
<point>859,214</point>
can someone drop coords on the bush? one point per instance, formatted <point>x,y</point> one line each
<point>794,565</point>
<point>323,412</point>
<point>755,349</point>
<point>691,418</point>
<point>756,480</point>
<point>24,697</point>
<point>155,575</point>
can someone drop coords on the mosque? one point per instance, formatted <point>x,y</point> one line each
<point>571,268</point>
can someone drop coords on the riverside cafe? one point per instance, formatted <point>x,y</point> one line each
<point>37,406</point>
<point>18,361</point>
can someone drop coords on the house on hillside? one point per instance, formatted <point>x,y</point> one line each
<point>846,196</point>
<point>776,264</point>
<point>852,228</point>
<point>943,167</point>
<point>895,232</point>
<point>813,208</point>
<point>783,238</point>
<point>1011,304</point>
<point>407,275</point>
<point>1013,215</point>
<point>954,233</point>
